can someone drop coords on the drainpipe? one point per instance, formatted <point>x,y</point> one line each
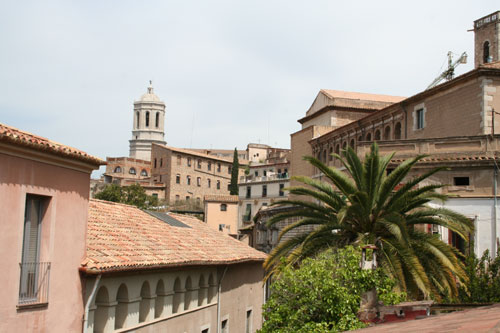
<point>89,301</point>
<point>218,299</point>
<point>494,222</point>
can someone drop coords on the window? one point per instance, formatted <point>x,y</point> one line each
<point>161,162</point>
<point>248,213</point>
<point>177,197</point>
<point>256,173</point>
<point>198,181</point>
<point>330,157</point>
<point>420,118</point>
<point>189,161</point>
<point>461,181</point>
<point>223,207</point>
<point>157,120</point>
<point>248,322</point>
<point>209,166</point>
<point>282,193</point>
<point>249,192</point>
<point>188,197</point>
<point>218,184</point>
<point>229,169</point>
<point>155,163</point>
<point>137,117</point>
<point>264,173</point>
<point>223,326</point>
<point>199,164</point>
<point>188,180</point>
<point>369,137</point>
<point>147,118</point>
<point>218,167</point>
<point>205,330</point>
<point>34,280</point>
<point>144,173</point>
<point>264,191</point>
<point>351,144</point>
<point>209,183</point>
<point>387,133</point>
<point>377,135</point>
<point>229,186</point>
<point>486,52</point>
<point>179,159</point>
<point>397,131</point>
<point>118,169</point>
<point>132,171</point>
<point>178,179</point>
<point>155,195</point>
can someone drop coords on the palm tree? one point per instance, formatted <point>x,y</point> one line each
<point>367,206</point>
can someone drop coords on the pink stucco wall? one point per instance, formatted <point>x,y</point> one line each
<point>62,243</point>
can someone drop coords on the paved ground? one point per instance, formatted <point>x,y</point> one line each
<point>484,319</point>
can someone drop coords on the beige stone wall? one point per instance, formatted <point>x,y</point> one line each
<point>488,32</point>
<point>125,163</point>
<point>215,216</point>
<point>174,166</point>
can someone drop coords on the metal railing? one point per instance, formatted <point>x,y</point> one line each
<point>34,284</point>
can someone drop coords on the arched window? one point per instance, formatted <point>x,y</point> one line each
<point>211,289</point>
<point>330,157</point>
<point>486,52</point>
<point>377,135</point>
<point>202,292</point>
<point>337,149</point>
<point>324,155</point>
<point>147,118</point>
<point>387,133</point>
<point>344,145</point>
<point>121,309</point>
<point>223,207</point>
<point>188,295</point>
<point>144,173</point>
<point>132,171</point>
<point>397,131</point>
<point>118,169</point>
<point>138,119</point>
<point>101,311</point>
<point>369,137</point>
<point>352,143</point>
<point>157,120</point>
<point>144,304</point>
<point>160,298</point>
<point>360,138</point>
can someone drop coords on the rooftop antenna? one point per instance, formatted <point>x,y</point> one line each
<point>449,73</point>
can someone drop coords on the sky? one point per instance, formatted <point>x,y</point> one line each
<point>230,72</point>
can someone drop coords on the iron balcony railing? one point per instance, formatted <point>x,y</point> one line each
<point>34,284</point>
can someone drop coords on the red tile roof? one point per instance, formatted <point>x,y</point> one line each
<point>122,237</point>
<point>15,136</point>
<point>450,158</point>
<point>221,198</point>
<point>198,154</point>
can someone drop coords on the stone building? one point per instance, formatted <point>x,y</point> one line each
<point>454,123</point>
<point>173,273</point>
<point>190,175</point>
<point>221,213</point>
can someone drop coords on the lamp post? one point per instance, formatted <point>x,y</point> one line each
<point>368,309</point>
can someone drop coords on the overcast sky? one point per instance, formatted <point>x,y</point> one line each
<point>230,72</point>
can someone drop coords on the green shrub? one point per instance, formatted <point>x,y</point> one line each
<point>323,294</point>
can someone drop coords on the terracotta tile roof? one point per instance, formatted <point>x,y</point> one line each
<point>195,153</point>
<point>221,198</point>
<point>15,136</point>
<point>450,158</point>
<point>362,96</point>
<point>122,237</point>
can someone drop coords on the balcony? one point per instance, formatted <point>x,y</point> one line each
<point>34,284</point>
<point>269,177</point>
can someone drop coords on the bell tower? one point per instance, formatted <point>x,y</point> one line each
<point>148,125</point>
<point>487,39</point>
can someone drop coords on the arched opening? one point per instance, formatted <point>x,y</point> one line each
<point>177,296</point>
<point>377,135</point>
<point>101,311</point>
<point>387,133</point>
<point>202,293</point>
<point>157,120</point>
<point>118,169</point>
<point>337,149</point>
<point>330,157</point>
<point>344,145</point>
<point>132,171</point>
<point>397,131</point>
<point>360,138</point>
<point>121,310</point>
<point>188,295</point>
<point>211,291</point>
<point>144,306</point>
<point>318,155</point>
<point>160,298</point>
<point>147,118</point>
<point>486,52</point>
<point>351,143</point>
<point>369,137</point>
<point>137,119</point>
<point>324,156</point>
<point>144,173</point>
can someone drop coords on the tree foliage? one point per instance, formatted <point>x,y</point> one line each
<point>233,186</point>
<point>367,206</point>
<point>131,195</point>
<point>324,293</point>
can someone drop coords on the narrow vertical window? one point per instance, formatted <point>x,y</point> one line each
<point>420,119</point>
<point>486,52</point>
<point>248,322</point>
<point>147,118</point>
<point>218,184</point>
<point>264,191</point>
<point>157,121</point>
<point>282,193</point>
<point>138,122</point>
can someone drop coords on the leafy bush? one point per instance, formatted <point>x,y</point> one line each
<point>323,294</point>
<point>131,195</point>
<point>484,279</point>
